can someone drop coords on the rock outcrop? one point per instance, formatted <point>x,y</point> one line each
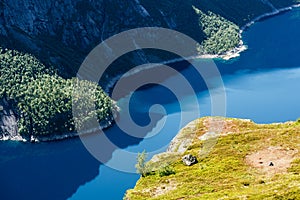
<point>8,120</point>
<point>189,160</point>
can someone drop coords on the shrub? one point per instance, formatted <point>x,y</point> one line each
<point>166,171</point>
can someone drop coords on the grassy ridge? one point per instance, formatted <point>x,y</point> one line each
<point>225,173</point>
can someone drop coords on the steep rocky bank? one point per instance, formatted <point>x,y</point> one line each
<point>63,32</point>
<point>8,120</point>
<point>9,125</point>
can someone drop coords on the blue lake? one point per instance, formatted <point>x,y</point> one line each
<point>262,84</point>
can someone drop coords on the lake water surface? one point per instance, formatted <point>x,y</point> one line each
<point>262,84</point>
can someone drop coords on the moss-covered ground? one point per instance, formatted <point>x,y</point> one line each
<point>225,172</point>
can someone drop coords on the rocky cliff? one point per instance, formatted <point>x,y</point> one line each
<point>8,120</point>
<point>63,32</point>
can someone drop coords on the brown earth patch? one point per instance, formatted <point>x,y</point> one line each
<point>221,125</point>
<point>272,160</point>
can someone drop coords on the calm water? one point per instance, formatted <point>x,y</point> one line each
<point>262,84</point>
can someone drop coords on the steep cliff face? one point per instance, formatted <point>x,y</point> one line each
<point>52,30</point>
<point>8,120</point>
<point>62,32</point>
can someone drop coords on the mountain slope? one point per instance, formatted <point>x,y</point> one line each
<point>63,32</point>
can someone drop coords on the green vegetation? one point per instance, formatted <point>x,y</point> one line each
<point>239,12</point>
<point>178,15</point>
<point>213,23</point>
<point>166,171</point>
<point>221,34</point>
<point>43,100</point>
<point>226,173</point>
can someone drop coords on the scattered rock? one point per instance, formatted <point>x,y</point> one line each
<point>189,160</point>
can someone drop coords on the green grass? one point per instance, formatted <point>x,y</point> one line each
<point>224,174</point>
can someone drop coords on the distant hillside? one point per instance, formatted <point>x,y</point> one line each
<point>249,161</point>
<point>62,33</point>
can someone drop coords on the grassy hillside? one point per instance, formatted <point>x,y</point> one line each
<point>238,167</point>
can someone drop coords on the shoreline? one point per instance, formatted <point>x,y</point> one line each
<point>53,138</point>
<point>269,14</point>
<point>233,53</point>
<point>38,139</point>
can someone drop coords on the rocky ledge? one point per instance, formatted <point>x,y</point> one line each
<point>256,160</point>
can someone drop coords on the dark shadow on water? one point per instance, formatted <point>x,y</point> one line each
<point>44,171</point>
<point>55,170</point>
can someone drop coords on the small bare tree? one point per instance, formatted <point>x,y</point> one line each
<point>141,167</point>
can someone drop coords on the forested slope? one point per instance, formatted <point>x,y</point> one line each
<point>44,43</point>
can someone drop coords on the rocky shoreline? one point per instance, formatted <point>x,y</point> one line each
<point>36,139</point>
<point>270,14</point>
<point>235,52</point>
<point>241,47</point>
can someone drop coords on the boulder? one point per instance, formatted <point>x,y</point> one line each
<point>189,160</point>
